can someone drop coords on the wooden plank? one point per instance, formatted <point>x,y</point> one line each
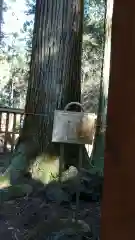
<point>11,110</point>
<point>14,131</point>
<point>0,120</point>
<point>6,132</point>
<point>11,132</point>
<point>21,119</point>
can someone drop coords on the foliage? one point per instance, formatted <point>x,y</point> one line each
<point>3,8</point>
<point>14,60</point>
<point>92,56</point>
<point>14,70</point>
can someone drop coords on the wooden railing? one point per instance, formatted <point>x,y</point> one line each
<point>10,125</point>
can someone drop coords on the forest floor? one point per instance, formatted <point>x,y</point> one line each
<point>49,213</point>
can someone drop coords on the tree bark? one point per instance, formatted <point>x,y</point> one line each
<point>118,206</point>
<point>55,78</point>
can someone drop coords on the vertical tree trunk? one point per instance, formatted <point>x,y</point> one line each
<point>55,65</point>
<point>55,73</point>
<point>118,207</point>
<point>1,13</point>
<point>98,150</point>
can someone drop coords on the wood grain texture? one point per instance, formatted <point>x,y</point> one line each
<point>118,206</point>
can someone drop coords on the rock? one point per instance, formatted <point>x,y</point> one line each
<point>69,174</point>
<point>54,190</point>
<point>89,186</point>
<point>54,193</point>
<point>79,230</point>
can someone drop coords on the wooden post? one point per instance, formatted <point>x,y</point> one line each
<point>118,206</point>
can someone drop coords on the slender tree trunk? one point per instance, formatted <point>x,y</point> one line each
<point>118,207</point>
<point>98,150</point>
<point>55,73</point>
<point>1,13</point>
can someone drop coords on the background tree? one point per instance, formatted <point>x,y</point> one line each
<point>1,18</point>
<point>97,158</point>
<point>13,65</point>
<point>14,72</point>
<point>93,37</point>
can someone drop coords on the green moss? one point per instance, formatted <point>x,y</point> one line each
<point>45,168</point>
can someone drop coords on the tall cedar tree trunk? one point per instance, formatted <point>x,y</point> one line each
<point>97,158</point>
<point>55,77</point>
<point>118,206</point>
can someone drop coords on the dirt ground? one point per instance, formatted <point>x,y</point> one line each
<point>29,218</point>
<point>35,218</point>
